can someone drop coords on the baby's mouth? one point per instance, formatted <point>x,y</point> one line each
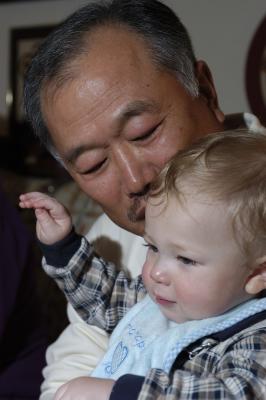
<point>163,302</point>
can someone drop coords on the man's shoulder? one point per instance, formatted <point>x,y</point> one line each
<point>244,120</point>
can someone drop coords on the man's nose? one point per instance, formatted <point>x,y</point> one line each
<point>136,173</point>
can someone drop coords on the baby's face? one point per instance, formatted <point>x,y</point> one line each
<point>194,268</point>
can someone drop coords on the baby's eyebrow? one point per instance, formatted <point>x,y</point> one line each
<point>147,237</point>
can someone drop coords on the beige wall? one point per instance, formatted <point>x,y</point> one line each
<point>221,32</point>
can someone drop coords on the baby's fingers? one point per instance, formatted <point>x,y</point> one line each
<point>53,220</point>
<point>39,200</point>
<point>48,230</point>
<point>34,200</point>
<point>46,224</point>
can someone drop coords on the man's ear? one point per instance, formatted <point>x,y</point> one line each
<point>207,89</point>
<point>256,281</point>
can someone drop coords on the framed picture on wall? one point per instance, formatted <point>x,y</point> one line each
<point>14,1</point>
<point>23,44</point>
<point>256,72</point>
<point>30,157</point>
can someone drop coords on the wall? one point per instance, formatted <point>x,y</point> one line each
<point>221,32</point>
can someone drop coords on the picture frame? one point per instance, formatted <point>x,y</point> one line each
<point>29,157</point>
<point>255,74</point>
<point>23,44</point>
<point>14,1</point>
<point>5,2</point>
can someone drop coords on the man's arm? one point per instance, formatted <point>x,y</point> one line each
<point>75,353</point>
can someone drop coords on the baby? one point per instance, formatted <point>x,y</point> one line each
<point>199,329</point>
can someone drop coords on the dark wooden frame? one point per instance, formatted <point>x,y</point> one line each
<point>253,71</point>
<point>28,156</point>
<point>19,37</point>
<point>14,1</point>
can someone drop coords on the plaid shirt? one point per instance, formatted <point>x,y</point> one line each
<point>98,292</point>
<point>234,368</point>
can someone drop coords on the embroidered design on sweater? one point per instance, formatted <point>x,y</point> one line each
<point>119,355</point>
<point>138,339</point>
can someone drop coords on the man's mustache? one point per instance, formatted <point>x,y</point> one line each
<point>132,213</point>
<point>137,205</point>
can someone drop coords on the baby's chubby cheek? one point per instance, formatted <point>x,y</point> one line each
<point>144,273</point>
<point>146,278</point>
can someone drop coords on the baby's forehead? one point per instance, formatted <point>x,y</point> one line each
<point>182,197</point>
<point>196,208</point>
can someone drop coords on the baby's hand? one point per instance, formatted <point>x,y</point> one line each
<point>85,388</point>
<point>53,220</point>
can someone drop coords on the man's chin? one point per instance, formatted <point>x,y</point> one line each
<point>135,227</point>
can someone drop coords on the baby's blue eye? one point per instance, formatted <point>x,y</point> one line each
<point>186,261</point>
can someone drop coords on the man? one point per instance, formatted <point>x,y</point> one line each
<point>114,93</point>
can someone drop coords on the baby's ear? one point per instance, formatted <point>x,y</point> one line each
<point>256,281</point>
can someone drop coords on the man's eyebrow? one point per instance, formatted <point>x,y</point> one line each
<point>73,154</point>
<point>136,108</point>
<point>133,109</point>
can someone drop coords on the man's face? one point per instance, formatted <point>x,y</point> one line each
<point>194,268</point>
<point>120,119</point>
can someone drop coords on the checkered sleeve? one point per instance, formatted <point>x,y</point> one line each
<point>95,288</point>
<point>240,374</point>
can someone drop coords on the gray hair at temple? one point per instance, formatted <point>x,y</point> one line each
<point>165,36</point>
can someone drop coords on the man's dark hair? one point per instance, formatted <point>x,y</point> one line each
<point>165,36</point>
